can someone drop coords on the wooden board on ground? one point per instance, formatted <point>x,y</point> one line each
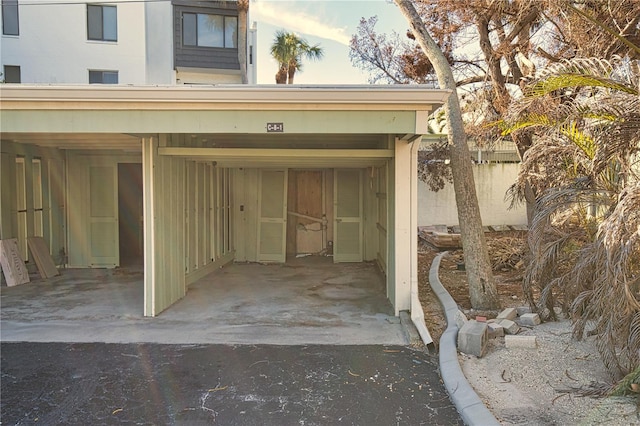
<point>42,257</point>
<point>434,228</point>
<point>440,240</point>
<point>15,272</point>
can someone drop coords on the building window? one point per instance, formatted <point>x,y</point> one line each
<point>12,74</point>
<point>102,23</point>
<point>203,30</point>
<point>103,77</point>
<point>10,17</point>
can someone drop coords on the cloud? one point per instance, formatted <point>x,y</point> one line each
<point>277,15</point>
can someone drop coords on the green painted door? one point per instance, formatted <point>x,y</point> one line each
<point>103,215</point>
<point>272,221</point>
<point>347,199</point>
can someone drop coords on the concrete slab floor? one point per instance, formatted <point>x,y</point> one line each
<point>305,301</point>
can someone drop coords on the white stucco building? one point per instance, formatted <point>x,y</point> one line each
<point>125,42</point>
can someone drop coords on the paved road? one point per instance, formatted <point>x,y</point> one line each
<point>97,383</point>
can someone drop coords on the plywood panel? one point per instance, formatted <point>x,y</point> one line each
<point>12,264</point>
<point>44,261</point>
<point>309,203</point>
<point>309,194</point>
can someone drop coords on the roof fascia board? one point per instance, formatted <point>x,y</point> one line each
<point>223,121</point>
<point>273,97</point>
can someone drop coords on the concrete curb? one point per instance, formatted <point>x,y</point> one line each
<point>467,402</point>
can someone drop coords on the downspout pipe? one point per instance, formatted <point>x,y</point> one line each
<point>417,314</point>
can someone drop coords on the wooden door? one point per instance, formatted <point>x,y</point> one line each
<point>272,221</point>
<point>347,196</point>
<point>103,215</point>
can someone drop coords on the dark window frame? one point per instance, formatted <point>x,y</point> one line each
<point>10,10</point>
<point>8,76</point>
<point>224,30</point>
<point>102,74</point>
<point>91,32</point>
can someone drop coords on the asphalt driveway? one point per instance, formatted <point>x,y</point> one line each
<point>100,383</point>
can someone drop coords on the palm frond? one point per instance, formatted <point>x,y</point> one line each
<point>583,116</point>
<point>564,81</point>
<point>578,137</point>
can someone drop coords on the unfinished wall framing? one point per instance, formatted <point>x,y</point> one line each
<point>208,218</point>
<point>32,201</point>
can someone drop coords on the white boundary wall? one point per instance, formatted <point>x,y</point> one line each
<point>492,181</point>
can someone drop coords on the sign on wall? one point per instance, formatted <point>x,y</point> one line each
<point>275,127</point>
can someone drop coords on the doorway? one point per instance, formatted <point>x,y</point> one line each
<point>307,222</point>
<point>130,214</point>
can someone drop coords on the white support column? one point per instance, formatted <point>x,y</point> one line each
<point>149,149</point>
<point>403,206</point>
<point>417,313</point>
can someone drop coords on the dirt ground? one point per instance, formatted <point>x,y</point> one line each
<point>508,279</point>
<point>548,385</point>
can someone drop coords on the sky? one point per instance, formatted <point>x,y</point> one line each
<point>329,23</point>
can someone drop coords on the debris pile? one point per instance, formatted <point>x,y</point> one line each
<point>474,334</point>
<point>438,237</point>
<point>506,252</point>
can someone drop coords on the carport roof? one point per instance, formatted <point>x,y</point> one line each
<point>106,116</point>
<point>377,97</point>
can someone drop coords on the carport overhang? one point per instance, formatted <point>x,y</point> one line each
<point>142,119</point>
<point>118,116</point>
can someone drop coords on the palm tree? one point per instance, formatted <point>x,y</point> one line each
<point>584,115</point>
<point>289,49</point>
<point>243,9</point>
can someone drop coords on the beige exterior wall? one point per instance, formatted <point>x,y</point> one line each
<point>164,218</point>
<point>492,181</point>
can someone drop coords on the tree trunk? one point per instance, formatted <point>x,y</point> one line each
<point>281,76</point>
<point>523,143</point>
<point>243,8</point>
<point>482,289</point>
<point>291,73</point>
